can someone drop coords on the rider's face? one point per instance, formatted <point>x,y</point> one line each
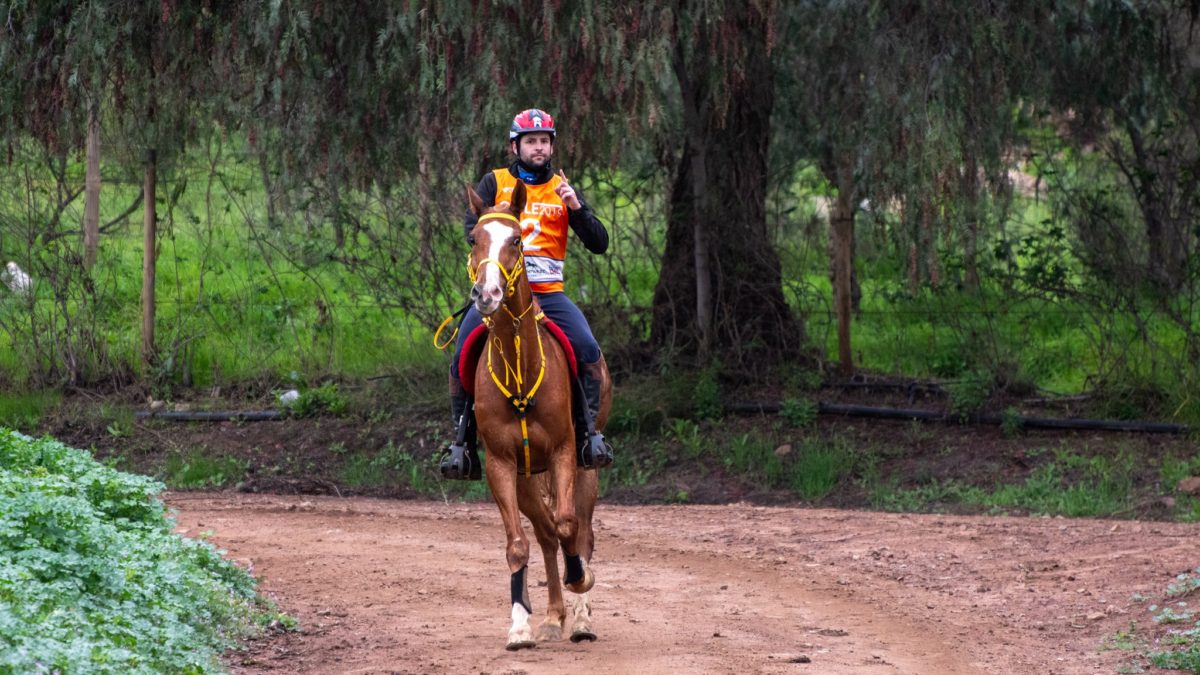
<point>535,149</point>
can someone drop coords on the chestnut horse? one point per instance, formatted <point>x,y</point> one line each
<point>523,413</point>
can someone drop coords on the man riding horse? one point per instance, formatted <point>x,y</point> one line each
<point>552,205</point>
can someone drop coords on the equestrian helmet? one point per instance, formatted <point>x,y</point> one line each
<point>529,121</point>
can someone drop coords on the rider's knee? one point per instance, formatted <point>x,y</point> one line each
<point>587,352</point>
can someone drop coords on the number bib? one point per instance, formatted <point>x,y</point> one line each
<point>543,227</point>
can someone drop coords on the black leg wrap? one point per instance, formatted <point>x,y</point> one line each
<point>574,565</point>
<point>520,591</point>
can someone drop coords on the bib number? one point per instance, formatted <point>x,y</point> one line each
<point>535,225</point>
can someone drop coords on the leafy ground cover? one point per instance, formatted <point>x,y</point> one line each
<point>92,579</point>
<point>1168,636</point>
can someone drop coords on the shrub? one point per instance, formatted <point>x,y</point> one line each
<point>968,395</point>
<point>1011,422</point>
<point>325,399</point>
<point>799,412</point>
<point>707,396</point>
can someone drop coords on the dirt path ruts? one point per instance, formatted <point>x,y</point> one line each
<point>418,587</point>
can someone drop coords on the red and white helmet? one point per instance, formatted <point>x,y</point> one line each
<point>529,121</point>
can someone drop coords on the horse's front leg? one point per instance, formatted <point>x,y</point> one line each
<point>538,512</point>
<point>502,479</point>
<point>578,578</point>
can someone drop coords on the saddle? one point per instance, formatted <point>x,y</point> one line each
<point>472,350</point>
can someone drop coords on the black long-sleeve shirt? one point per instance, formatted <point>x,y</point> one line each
<point>586,225</point>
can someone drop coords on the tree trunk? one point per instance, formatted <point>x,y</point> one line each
<point>842,233</point>
<point>149,258</point>
<point>720,286</point>
<point>425,200</point>
<point>1166,249</point>
<point>695,111</point>
<point>91,197</point>
<point>970,189</point>
<point>929,242</point>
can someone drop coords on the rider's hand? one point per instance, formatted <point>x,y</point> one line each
<point>567,193</point>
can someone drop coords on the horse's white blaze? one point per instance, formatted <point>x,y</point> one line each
<point>492,279</point>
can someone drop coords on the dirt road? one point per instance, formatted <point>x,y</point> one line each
<point>422,587</point>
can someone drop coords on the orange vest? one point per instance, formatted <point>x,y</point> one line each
<point>544,227</point>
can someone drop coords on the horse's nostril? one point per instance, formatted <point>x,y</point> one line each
<point>475,292</point>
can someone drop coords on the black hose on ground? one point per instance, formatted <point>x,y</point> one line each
<point>203,416</point>
<point>933,416</point>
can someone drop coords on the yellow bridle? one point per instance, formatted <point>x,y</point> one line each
<point>510,277</point>
<point>512,373</point>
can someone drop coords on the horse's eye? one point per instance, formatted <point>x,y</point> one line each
<point>515,241</point>
<point>471,240</point>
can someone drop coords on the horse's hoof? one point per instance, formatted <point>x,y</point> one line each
<point>581,634</point>
<point>520,644</point>
<point>549,633</point>
<point>585,584</point>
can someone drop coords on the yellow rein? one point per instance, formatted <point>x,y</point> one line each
<point>513,373</point>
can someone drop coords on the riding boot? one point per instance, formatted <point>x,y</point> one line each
<point>594,451</point>
<point>460,461</point>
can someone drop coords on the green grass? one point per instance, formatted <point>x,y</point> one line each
<point>933,496</point>
<point>235,302</point>
<point>415,470</point>
<point>818,468</point>
<point>1104,488</point>
<point>25,410</point>
<point>1069,485</point>
<point>198,469</point>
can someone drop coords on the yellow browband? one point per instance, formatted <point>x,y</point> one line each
<point>506,216</point>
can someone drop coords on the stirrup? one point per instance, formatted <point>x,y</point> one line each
<point>595,452</point>
<point>460,462</point>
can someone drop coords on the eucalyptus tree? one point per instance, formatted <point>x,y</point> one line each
<point>153,62</point>
<point>683,88</point>
<point>1126,77</point>
<point>909,105</point>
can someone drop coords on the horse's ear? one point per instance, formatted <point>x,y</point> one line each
<point>518,199</point>
<point>476,202</point>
